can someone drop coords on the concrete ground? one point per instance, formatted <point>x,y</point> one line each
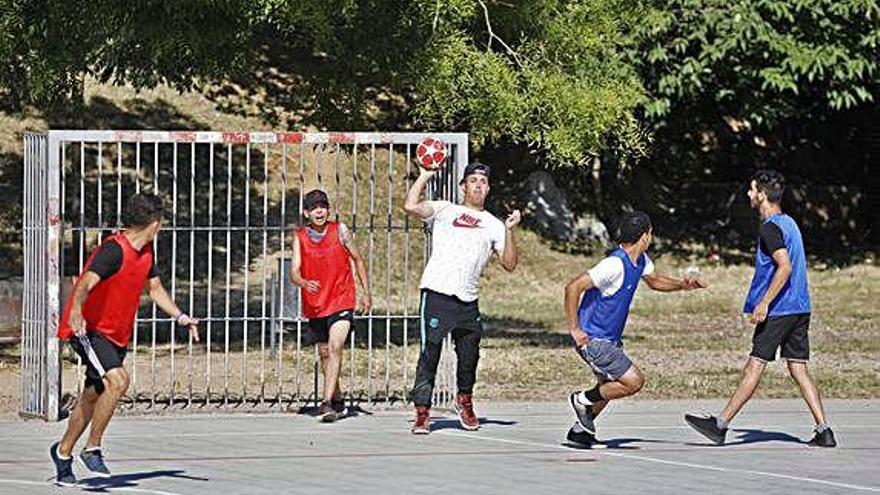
<point>519,449</point>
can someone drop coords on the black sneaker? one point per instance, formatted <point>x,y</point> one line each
<point>583,413</point>
<point>63,467</point>
<point>708,427</point>
<point>326,413</point>
<point>93,460</point>
<point>824,439</point>
<point>581,438</point>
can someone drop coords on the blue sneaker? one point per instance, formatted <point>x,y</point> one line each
<point>93,460</point>
<point>63,467</point>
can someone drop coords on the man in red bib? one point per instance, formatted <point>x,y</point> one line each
<point>321,266</point>
<point>98,321</point>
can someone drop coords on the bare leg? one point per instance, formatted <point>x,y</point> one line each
<point>78,420</point>
<point>752,372</point>
<point>599,406</point>
<point>809,390</point>
<point>630,383</point>
<point>115,384</point>
<point>333,364</point>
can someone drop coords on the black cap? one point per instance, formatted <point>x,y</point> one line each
<point>315,198</point>
<point>476,168</point>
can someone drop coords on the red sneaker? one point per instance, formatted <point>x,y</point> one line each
<point>464,406</point>
<point>422,424</point>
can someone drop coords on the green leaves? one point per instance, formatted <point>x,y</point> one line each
<point>749,54</point>
<point>553,77</point>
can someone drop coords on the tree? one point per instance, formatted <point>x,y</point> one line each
<point>551,75</point>
<point>760,62</point>
<point>47,47</point>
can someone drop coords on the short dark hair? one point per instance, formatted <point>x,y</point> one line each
<point>771,183</point>
<point>142,210</point>
<point>631,226</point>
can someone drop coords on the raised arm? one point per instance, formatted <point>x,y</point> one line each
<point>573,291</point>
<point>509,256</point>
<point>413,205</point>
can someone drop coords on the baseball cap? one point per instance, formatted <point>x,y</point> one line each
<point>315,198</point>
<point>476,168</point>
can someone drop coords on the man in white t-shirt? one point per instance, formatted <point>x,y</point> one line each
<point>597,319</point>
<point>464,238</point>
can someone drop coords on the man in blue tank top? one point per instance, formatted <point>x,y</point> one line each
<point>779,304</point>
<point>596,322</point>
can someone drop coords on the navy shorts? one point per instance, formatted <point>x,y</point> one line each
<point>606,359</point>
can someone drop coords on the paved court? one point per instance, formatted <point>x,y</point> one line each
<point>519,449</point>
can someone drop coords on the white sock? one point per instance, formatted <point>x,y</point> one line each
<point>577,428</point>
<point>58,453</point>
<point>581,397</point>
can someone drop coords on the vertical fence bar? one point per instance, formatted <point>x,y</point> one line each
<point>279,364</point>
<point>228,274</point>
<point>135,333</point>
<point>192,255</point>
<point>283,224</point>
<point>153,303</point>
<point>388,251</point>
<point>210,296</point>
<point>263,316</point>
<point>354,228</point>
<point>407,240</point>
<point>100,189</point>
<point>27,406</point>
<point>50,151</point>
<point>302,154</point>
<point>173,324</point>
<point>247,242</point>
<point>371,231</point>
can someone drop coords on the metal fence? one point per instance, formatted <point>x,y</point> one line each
<point>223,255</point>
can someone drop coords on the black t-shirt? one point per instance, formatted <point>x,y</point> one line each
<point>108,261</point>
<point>771,238</point>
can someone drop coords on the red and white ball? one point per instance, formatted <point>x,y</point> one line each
<point>431,153</point>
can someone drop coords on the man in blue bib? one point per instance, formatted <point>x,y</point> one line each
<point>596,323</point>
<point>779,304</point>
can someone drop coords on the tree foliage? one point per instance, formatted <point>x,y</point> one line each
<point>570,80</point>
<point>47,47</point>
<point>763,61</point>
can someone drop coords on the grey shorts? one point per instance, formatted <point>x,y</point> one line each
<point>606,359</point>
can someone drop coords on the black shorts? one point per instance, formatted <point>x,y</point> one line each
<point>788,332</point>
<point>441,314</point>
<point>319,328</point>
<point>107,354</point>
